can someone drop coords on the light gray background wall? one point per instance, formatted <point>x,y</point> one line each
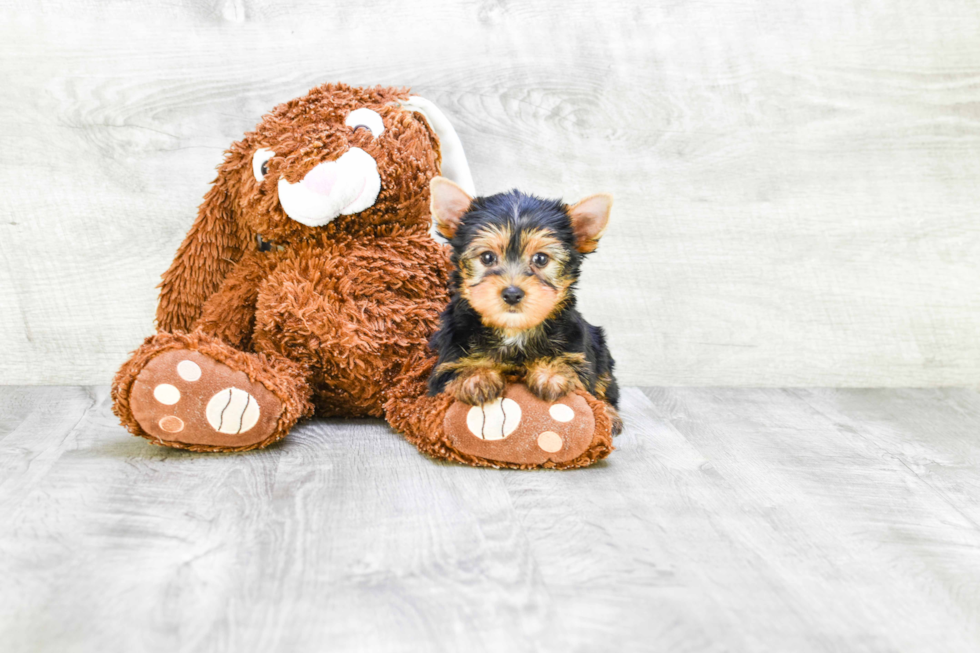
<point>797,182</point>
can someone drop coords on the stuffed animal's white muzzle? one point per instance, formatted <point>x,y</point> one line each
<point>342,187</point>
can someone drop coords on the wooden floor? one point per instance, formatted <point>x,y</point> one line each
<point>728,520</point>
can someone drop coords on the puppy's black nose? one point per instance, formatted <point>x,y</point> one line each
<point>512,295</point>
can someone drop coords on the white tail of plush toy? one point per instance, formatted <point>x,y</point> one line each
<point>454,164</point>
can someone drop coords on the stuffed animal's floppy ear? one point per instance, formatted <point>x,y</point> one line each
<point>210,250</point>
<point>589,220</point>
<point>454,165</point>
<point>448,203</point>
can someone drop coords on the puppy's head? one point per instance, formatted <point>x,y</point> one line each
<point>516,256</point>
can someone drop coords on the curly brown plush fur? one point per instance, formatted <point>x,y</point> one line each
<point>333,317</point>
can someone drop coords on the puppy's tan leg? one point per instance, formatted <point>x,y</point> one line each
<point>477,385</point>
<point>551,379</point>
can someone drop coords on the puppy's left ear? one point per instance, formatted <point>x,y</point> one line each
<point>589,220</point>
<point>448,203</point>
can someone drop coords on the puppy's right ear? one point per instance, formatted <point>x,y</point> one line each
<point>448,203</point>
<point>589,219</point>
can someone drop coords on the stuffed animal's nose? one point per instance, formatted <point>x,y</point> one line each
<point>512,295</point>
<point>322,178</point>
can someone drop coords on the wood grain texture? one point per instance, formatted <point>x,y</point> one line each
<point>796,182</point>
<point>727,520</point>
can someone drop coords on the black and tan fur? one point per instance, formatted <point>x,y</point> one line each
<point>529,250</point>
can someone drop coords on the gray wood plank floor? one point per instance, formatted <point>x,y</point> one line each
<point>728,520</point>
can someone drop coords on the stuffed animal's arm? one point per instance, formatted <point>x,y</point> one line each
<point>229,313</point>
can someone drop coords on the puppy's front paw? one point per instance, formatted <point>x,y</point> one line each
<point>478,387</point>
<point>551,383</point>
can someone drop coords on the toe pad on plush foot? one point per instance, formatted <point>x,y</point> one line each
<point>185,397</point>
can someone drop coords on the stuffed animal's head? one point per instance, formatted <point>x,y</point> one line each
<point>337,159</point>
<point>356,156</point>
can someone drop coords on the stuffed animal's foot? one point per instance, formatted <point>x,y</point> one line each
<point>210,399</point>
<point>187,397</point>
<point>521,429</point>
<point>518,430</point>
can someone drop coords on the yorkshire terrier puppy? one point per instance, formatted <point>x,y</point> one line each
<point>516,260</point>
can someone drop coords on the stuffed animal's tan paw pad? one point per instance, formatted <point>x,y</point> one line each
<point>519,428</point>
<point>550,441</point>
<point>232,411</point>
<point>185,396</point>
<point>495,420</point>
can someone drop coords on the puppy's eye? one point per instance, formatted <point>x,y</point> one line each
<point>488,258</point>
<point>540,260</point>
<point>367,119</point>
<point>260,163</point>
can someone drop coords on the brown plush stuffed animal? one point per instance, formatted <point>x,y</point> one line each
<point>310,282</point>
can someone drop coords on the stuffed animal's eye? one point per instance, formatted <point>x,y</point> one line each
<point>540,260</point>
<point>488,258</point>
<point>260,163</point>
<point>367,119</point>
